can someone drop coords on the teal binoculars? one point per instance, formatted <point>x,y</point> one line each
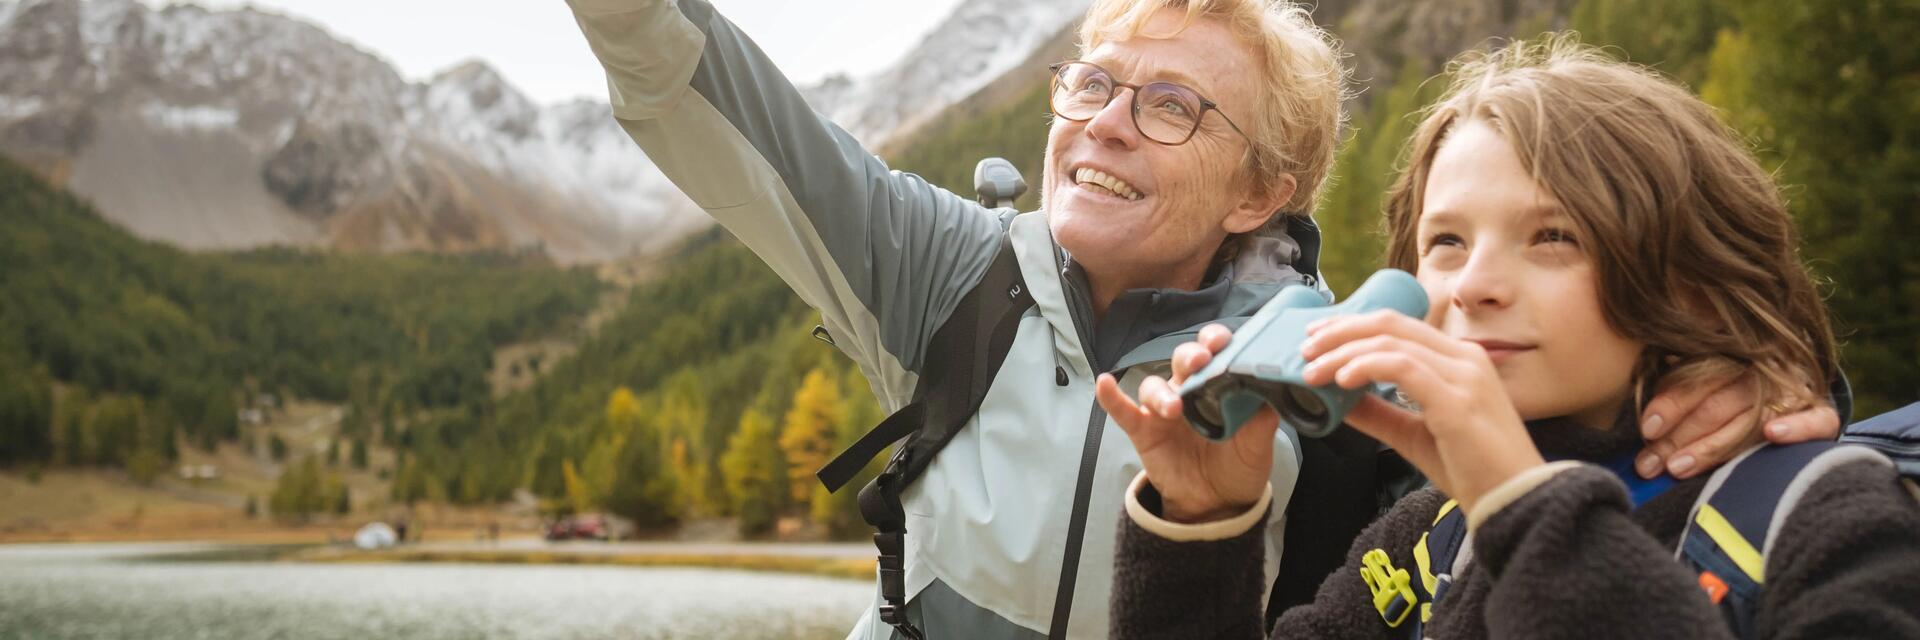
<point>1262,365</point>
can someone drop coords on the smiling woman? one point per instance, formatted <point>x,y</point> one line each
<point>1151,115</point>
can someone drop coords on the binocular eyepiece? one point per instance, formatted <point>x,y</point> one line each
<point>1262,365</point>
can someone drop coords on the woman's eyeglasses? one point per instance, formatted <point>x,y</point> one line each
<point>1164,112</point>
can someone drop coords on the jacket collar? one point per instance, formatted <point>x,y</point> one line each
<point>1144,325</point>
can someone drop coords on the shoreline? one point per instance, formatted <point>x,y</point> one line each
<point>828,567</point>
<point>839,561</point>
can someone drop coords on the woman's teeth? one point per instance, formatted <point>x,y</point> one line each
<point>1103,182</point>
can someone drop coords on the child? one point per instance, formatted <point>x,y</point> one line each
<point>1587,233</point>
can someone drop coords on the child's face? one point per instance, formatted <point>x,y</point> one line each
<point>1503,268</point>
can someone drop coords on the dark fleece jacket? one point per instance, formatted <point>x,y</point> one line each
<point>1570,559</point>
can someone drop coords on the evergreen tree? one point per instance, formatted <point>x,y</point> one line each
<point>26,416</point>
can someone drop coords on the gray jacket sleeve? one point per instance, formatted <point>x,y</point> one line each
<point>883,255</point>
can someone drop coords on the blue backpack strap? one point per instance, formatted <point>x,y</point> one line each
<point>1438,558</point>
<point>1741,511</point>
<point>1895,433</point>
<point>1397,594</point>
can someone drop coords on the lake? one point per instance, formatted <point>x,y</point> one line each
<point>136,591</point>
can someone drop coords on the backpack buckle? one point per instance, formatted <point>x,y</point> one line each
<point>1392,588</point>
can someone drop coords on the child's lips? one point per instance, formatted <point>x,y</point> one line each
<point>1499,350</point>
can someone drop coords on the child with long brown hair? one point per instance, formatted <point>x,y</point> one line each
<point>1587,232</point>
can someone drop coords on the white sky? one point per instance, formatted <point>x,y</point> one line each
<point>537,46</point>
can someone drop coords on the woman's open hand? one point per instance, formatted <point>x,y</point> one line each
<point>1198,480</point>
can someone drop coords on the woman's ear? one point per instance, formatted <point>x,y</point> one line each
<point>1260,205</point>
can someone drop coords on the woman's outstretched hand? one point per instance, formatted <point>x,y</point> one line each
<point>1198,480</point>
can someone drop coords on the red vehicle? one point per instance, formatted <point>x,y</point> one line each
<point>583,527</point>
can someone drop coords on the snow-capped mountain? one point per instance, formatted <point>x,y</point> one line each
<point>241,128</point>
<point>237,128</point>
<point>980,42</point>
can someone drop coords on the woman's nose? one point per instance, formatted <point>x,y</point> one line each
<point>1114,123</point>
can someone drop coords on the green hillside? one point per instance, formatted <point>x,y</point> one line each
<point>144,341</point>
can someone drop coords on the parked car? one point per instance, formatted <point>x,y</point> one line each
<point>579,527</point>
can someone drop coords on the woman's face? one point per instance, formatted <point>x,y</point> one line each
<point>1503,267</point>
<point>1183,197</point>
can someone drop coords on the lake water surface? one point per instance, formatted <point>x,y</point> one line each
<point>133,591</point>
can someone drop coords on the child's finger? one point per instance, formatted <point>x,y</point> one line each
<point>1341,330</point>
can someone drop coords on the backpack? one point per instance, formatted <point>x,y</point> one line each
<point>1730,533</point>
<point>1745,501</point>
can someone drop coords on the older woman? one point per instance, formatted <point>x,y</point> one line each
<point>1189,144</point>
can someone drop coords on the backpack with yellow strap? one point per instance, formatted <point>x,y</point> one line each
<point>1729,535</point>
<point>1739,515</point>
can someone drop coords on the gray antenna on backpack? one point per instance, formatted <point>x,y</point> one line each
<point>997,182</point>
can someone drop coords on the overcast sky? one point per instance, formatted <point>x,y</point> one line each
<point>537,46</point>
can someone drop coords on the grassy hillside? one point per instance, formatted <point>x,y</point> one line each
<point>144,342</point>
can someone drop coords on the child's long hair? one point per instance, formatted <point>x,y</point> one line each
<point>1692,244</point>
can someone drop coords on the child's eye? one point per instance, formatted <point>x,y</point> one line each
<point>1556,235</point>
<point>1442,240</point>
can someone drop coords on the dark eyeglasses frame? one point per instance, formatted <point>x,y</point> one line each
<point>1053,89</point>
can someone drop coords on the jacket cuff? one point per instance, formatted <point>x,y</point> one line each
<point>1196,532</point>
<point>1515,487</point>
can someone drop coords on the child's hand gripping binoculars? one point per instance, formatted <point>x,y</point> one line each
<point>1262,365</point>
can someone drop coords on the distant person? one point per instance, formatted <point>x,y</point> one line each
<point>1585,231</point>
<point>1188,147</point>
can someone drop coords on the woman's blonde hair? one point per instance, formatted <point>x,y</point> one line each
<point>1296,121</point>
<point>1695,252</point>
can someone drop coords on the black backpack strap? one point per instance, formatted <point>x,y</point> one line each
<point>963,357</point>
